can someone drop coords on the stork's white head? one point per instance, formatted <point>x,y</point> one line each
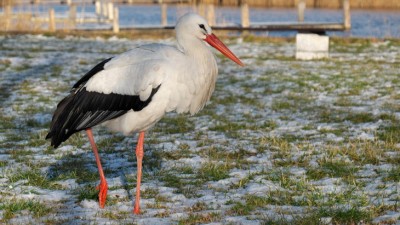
<point>192,27</point>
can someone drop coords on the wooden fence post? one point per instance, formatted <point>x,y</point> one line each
<point>116,20</point>
<point>98,7</point>
<point>300,10</point>
<point>164,20</point>
<point>72,13</point>
<point>110,8</point>
<point>245,15</point>
<point>201,9</point>
<point>52,21</point>
<point>8,16</point>
<point>194,7</point>
<point>210,14</point>
<point>8,10</point>
<point>98,10</point>
<point>346,14</point>
<point>104,10</point>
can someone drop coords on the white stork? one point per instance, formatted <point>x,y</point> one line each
<point>132,91</point>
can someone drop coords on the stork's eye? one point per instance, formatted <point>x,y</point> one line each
<point>203,27</point>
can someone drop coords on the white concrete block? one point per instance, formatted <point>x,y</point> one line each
<point>312,46</point>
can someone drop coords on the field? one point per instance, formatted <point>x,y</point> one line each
<point>281,141</point>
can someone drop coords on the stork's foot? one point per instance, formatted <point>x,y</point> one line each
<point>102,188</point>
<point>136,210</point>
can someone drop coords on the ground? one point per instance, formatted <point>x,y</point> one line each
<point>282,141</point>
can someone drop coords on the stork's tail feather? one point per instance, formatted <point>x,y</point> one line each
<point>57,138</point>
<point>58,133</point>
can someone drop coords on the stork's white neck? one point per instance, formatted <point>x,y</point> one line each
<point>202,68</point>
<point>191,45</point>
<point>197,50</point>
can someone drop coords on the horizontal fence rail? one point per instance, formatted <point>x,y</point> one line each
<point>365,4</point>
<point>107,13</point>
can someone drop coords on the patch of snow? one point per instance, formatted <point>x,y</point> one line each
<point>90,204</point>
<point>68,184</point>
<point>241,220</point>
<point>260,189</point>
<point>147,221</point>
<point>389,218</point>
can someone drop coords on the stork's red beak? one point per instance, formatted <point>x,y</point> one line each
<point>217,44</point>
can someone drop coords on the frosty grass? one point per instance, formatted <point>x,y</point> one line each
<point>282,141</point>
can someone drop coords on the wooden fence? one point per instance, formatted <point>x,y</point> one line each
<point>370,4</point>
<point>108,13</point>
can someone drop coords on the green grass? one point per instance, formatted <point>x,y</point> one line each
<point>390,133</point>
<point>199,206</point>
<point>193,219</point>
<point>188,187</point>
<point>325,215</point>
<point>74,168</point>
<point>11,208</point>
<point>3,163</point>
<point>298,125</point>
<point>254,201</point>
<point>213,172</point>
<point>279,105</point>
<point>360,152</point>
<point>22,67</point>
<point>353,215</point>
<point>34,177</point>
<point>56,70</point>
<point>344,101</point>
<point>318,205</point>
<point>338,116</point>
<point>172,125</point>
<point>183,151</point>
<point>231,129</point>
<point>107,145</point>
<point>7,122</point>
<point>37,139</point>
<point>240,209</point>
<point>77,139</point>
<point>363,117</point>
<point>333,168</point>
<point>393,174</point>
<point>88,192</point>
<point>116,216</point>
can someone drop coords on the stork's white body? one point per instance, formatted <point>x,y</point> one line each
<point>132,91</point>
<point>186,82</point>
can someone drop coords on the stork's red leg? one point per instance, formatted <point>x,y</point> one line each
<point>103,187</point>
<point>139,158</point>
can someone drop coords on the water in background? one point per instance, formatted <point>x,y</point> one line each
<point>364,23</point>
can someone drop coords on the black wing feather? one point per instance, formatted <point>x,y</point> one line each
<point>99,67</point>
<point>83,109</point>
